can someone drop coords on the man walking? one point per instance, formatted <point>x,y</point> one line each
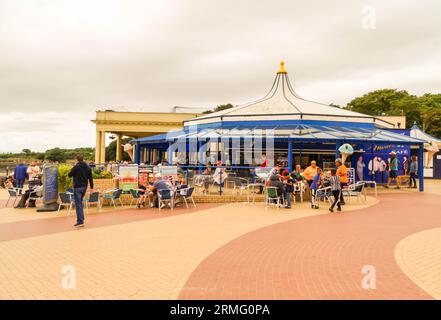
<point>393,170</point>
<point>82,174</point>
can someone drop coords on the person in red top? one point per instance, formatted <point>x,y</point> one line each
<point>264,163</point>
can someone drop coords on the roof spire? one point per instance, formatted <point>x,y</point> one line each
<point>282,67</point>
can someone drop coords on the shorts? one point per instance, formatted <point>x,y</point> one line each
<point>393,174</point>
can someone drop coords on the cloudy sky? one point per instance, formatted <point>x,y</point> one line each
<point>60,60</point>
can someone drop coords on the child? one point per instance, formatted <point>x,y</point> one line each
<point>315,184</point>
<point>289,188</point>
<point>335,189</point>
<point>413,169</point>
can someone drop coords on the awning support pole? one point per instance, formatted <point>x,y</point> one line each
<point>421,166</point>
<point>289,156</point>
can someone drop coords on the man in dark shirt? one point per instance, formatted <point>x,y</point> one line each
<point>82,174</point>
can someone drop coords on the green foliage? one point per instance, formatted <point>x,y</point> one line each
<point>55,154</point>
<point>26,151</point>
<point>424,110</point>
<point>98,174</point>
<point>111,150</point>
<point>64,182</point>
<point>219,108</point>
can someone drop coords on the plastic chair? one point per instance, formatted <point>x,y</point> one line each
<point>13,193</point>
<point>164,196</point>
<point>114,196</point>
<point>356,189</point>
<point>187,194</point>
<point>135,197</point>
<point>94,198</point>
<point>66,200</point>
<point>34,196</point>
<point>272,198</point>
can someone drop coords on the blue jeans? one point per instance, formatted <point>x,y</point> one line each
<point>20,183</point>
<point>78,197</point>
<point>288,198</point>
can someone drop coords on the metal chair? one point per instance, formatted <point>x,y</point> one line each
<point>135,197</point>
<point>272,198</point>
<point>114,196</point>
<point>301,189</point>
<point>240,184</point>
<point>164,196</point>
<point>66,200</point>
<point>13,193</point>
<point>355,190</point>
<point>187,194</point>
<point>94,198</point>
<point>323,194</point>
<point>34,195</point>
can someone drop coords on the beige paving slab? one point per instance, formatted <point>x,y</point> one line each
<point>419,256</point>
<point>140,260</point>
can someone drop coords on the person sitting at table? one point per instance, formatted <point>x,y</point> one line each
<point>219,173</point>
<point>274,181</point>
<point>297,174</point>
<point>38,189</point>
<point>159,184</point>
<point>206,178</point>
<point>9,183</point>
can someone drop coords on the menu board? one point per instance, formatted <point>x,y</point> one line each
<point>50,183</point>
<point>128,177</point>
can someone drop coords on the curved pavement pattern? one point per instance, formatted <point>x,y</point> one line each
<point>319,257</point>
<point>419,256</point>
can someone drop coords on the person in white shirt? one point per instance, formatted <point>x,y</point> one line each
<point>360,168</point>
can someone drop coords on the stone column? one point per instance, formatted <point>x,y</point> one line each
<point>118,147</point>
<point>103,147</point>
<point>98,147</point>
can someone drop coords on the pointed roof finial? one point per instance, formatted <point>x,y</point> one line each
<point>282,67</point>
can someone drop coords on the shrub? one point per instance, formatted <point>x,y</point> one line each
<point>98,174</point>
<point>64,182</point>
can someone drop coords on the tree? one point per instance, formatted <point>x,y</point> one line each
<point>55,154</point>
<point>111,150</point>
<point>26,151</point>
<point>388,102</point>
<point>219,108</point>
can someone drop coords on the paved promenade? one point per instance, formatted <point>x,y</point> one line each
<point>232,251</point>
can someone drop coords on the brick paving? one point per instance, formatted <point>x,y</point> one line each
<point>319,257</point>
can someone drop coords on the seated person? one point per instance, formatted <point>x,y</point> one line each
<point>38,189</point>
<point>9,183</point>
<point>274,181</point>
<point>297,174</point>
<point>159,184</point>
<point>218,173</point>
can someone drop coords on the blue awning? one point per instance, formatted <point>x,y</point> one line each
<point>300,133</point>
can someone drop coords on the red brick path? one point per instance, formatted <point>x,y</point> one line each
<point>319,257</point>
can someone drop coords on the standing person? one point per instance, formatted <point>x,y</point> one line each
<point>360,168</point>
<point>393,170</point>
<point>82,174</point>
<point>413,169</point>
<point>20,175</point>
<point>335,189</point>
<point>342,172</point>
<point>310,172</point>
<point>315,185</point>
<point>34,173</point>
<point>405,165</point>
<point>381,167</point>
<point>372,166</point>
<point>264,163</point>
